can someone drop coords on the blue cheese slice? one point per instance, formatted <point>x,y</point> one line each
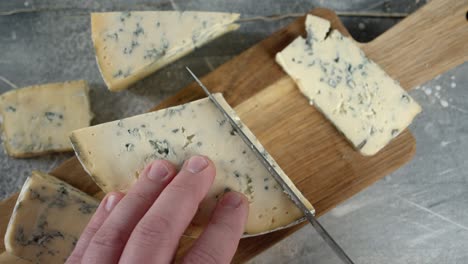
<point>353,92</point>
<point>7,258</point>
<point>48,219</point>
<point>115,153</point>
<point>38,119</point>
<point>131,45</point>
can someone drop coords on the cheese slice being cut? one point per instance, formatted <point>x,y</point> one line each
<point>48,219</point>
<point>115,153</point>
<point>7,258</point>
<point>353,92</point>
<point>38,119</point>
<point>131,45</point>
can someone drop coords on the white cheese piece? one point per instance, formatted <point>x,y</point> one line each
<point>48,219</point>
<point>353,92</point>
<point>131,45</point>
<point>7,258</point>
<point>115,153</point>
<point>38,119</point>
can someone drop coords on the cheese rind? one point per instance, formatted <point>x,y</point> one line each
<point>38,119</point>
<point>116,152</point>
<point>7,258</point>
<point>131,45</point>
<point>48,219</point>
<point>353,92</point>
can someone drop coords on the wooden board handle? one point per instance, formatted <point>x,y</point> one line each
<point>425,44</point>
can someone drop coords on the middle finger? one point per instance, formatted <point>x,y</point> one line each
<point>157,235</point>
<point>109,241</point>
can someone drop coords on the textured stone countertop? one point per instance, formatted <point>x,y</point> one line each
<point>418,214</point>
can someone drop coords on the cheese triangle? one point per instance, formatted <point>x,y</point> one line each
<point>48,219</point>
<point>131,45</point>
<point>38,119</point>
<point>115,153</point>
<point>353,92</point>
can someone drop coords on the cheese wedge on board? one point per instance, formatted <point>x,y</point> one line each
<point>115,153</point>
<point>38,119</point>
<point>48,219</point>
<point>131,45</point>
<point>353,92</point>
<point>7,258</point>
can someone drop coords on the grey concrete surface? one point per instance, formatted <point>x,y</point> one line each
<point>418,214</point>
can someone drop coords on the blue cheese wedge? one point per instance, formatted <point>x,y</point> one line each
<point>115,153</point>
<point>7,258</point>
<point>48,219</point>
<point>353,92</point>
<point>131,45</point>
<point>38,119</point>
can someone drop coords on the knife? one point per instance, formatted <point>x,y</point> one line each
<point>308,214</point>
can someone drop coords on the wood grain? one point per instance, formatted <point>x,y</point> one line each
<point>311,151</point>
<point>436,38</point>
<point>253,70</point>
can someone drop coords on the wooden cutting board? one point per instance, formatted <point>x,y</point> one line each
<point>319,160</point>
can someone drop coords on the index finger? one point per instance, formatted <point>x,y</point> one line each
<point>109,241</point>
<point>155,238</point>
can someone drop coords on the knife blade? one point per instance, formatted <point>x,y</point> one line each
<point>308,214</point>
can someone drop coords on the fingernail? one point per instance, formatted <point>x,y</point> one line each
<point>158,171</point>
<point>111,201</point>
<point>231,200</point>
<point>197,164</point>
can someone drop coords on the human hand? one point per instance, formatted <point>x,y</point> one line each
<point>145,225</point>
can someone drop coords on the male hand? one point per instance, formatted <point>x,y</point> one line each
<point>146,224</point>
